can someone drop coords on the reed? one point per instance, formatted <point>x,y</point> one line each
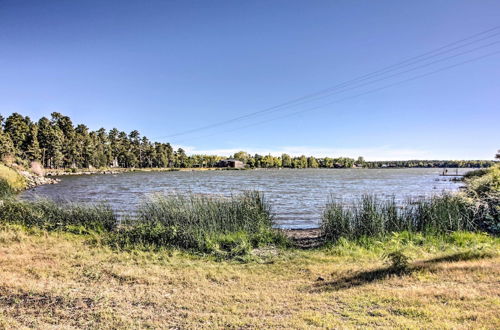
<point>225,226</point>
<point>48,215</point>
<point>370,216</point>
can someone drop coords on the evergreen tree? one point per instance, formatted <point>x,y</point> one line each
<point>6,145</point>
<point>33,151</point>
<point>18,129</point>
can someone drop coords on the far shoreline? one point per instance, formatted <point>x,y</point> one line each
<point>120,170</point>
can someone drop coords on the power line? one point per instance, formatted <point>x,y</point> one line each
<point>355,96</point>
<point>315,96</point>
<point>349,88</point>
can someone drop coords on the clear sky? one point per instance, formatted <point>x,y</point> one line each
<point>166,67</point>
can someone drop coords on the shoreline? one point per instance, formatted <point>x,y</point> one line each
<point>120,170</point>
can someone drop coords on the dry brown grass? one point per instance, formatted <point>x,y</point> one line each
<point>50,280</point>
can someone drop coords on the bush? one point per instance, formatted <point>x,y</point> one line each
<point>50,216</point>
<point>484,189</point>
<point>397,260</point>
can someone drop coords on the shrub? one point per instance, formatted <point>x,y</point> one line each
<point>483,188</point>
<point>397,260</point>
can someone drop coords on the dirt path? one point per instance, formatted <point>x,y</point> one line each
<point>305,238</point>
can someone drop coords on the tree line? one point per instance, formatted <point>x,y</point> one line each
<point>58,143</point>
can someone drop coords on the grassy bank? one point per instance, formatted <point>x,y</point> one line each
<point>476,208</point>
<point>56,279</point>
<point>372,217</point>
<point>232,227</point>
<point>48,215</point>
<point>10,181</point>
<point>226,227</point>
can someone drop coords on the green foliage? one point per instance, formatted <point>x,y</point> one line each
<point>483,188</point>
<point>221,226</point>
<point>48,215</point>
<point>10,181</point>
<point>370,216</point>
<point>5,189</point>
<point>431,163</point>
<point>397,260</point>
<point>57,143</point>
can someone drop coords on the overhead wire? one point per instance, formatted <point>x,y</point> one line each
<point>353,96</point>
<point>329,91</point>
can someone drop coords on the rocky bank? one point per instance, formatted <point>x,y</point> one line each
<point>33,180</point>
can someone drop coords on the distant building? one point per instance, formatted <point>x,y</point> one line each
<point>232,163</point>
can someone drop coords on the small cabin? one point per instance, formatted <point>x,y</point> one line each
<point>232,163</point>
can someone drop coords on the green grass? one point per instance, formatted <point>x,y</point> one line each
<point>223,226</point>
<point>48,215</point>
<point>477,208</point>
<point>54,278</point>
<point>10,181</point>
<point>372,217</point>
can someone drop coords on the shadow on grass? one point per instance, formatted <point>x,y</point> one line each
<point>40,301</point>
<point>367,277</point>
<point>462,256</point>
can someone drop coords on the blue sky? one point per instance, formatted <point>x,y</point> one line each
<point>165,67</point>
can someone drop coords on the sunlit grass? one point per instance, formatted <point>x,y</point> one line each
<point>52,279</point>
<point>10,181</point>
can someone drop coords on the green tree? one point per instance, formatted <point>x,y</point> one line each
<point>286,160</point>
<point>33,151</point>
<point>312,162</point>
<point>18,129</point>
<point>242,156</point>
<point>303,161</point>
<point>6,145</point>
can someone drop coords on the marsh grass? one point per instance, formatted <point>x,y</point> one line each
<point>225,226</point>
<point>371,217</point>
<point>48,215</point>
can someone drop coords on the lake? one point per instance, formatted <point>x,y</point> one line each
<point>297,196</point>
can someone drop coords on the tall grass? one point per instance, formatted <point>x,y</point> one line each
<point>48,215</point>
<point>209,224</point>
<point>370,216</point>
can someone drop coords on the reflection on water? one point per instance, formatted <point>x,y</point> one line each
<point>297,196</point>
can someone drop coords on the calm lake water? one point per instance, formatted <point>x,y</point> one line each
<point>297,196</point>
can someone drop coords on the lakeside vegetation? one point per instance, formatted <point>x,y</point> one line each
<point>57,143</point>
<point>231,227</point>
<point>193,261</point>
<point>224,227</point>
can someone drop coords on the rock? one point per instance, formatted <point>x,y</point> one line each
<point>33,180</point>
